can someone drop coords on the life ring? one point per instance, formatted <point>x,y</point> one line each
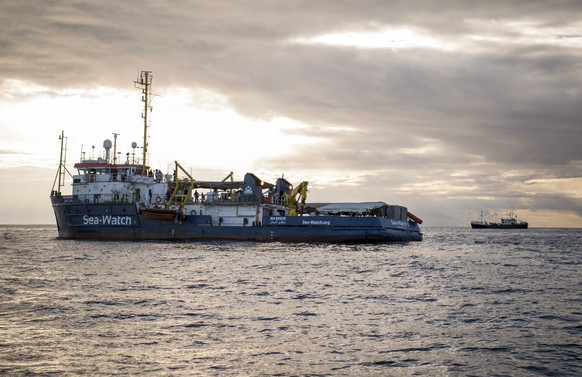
<point>158,200</point>
<point>193,212</point>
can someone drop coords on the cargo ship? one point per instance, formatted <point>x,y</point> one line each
<point>112,199</point>
<point>508,222</point>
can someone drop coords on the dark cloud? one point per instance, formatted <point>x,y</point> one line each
<point>490,105</point>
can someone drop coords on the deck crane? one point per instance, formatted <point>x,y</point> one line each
<point>295,200</point>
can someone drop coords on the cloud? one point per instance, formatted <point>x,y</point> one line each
<point>459,100</point>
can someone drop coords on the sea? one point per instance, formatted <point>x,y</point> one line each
<point>462,302</point>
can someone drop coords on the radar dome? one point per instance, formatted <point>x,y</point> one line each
<point>107,144</point>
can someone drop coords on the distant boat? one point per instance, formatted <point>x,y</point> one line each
<point>509,222</point>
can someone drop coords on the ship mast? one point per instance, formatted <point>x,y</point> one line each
<point>62,166</point>
<point>143,82</point>
<point>63,159</point>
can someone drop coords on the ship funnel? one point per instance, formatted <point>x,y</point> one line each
<point>283,187</point>
<point>107,145</point>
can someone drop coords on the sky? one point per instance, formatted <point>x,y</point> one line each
<point>446,107</point>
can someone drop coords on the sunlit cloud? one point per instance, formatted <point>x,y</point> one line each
<point>197,127</point>
<point>426,147</point>
<point>11,89</point>
<point>502,31</point>
<point>568,186</point>
<point>512,32</point>
<point>395,38</point>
